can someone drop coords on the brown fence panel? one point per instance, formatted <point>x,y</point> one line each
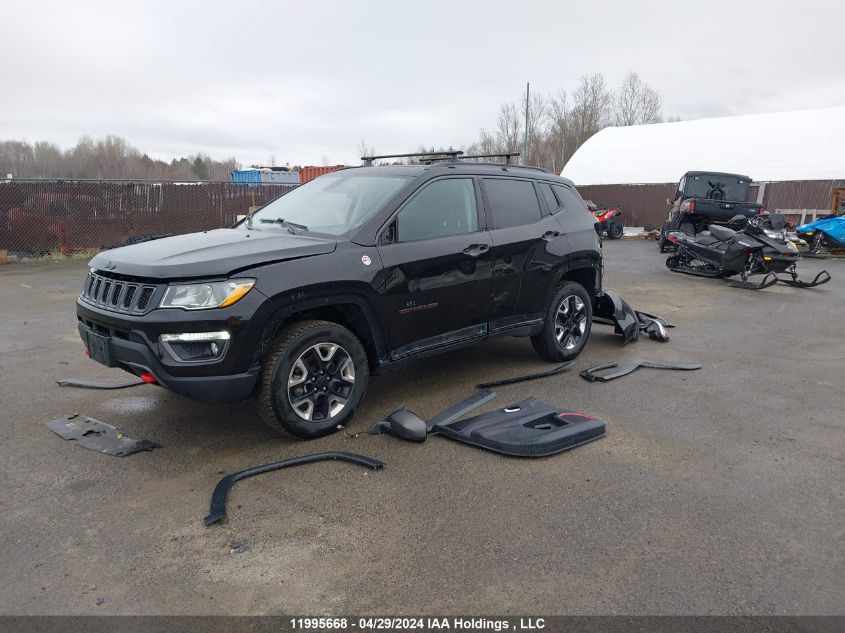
<point>38,216</point>
<point>641,204</point>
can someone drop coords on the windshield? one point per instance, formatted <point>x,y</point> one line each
<point>334,203</point>
<point>717,187</point>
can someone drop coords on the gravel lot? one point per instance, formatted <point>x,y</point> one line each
<point>717,491</point>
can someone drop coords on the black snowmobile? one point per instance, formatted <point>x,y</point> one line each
<point>758,247</point>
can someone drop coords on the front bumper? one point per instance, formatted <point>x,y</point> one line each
<point>132,343</point>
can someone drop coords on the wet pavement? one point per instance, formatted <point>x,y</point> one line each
<point>715,491</point>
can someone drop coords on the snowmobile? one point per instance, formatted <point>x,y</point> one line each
<point>825,233</point>
<point>759,247</point>
<point>829,231</point>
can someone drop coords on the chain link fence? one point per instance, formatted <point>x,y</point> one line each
<point>38,217</point>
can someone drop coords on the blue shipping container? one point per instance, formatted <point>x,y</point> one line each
<point>246,175</point>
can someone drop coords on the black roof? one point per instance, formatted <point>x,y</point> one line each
<point>717,173</point>
<point>470,169</point>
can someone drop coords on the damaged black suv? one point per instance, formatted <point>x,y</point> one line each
<point>350,274</point>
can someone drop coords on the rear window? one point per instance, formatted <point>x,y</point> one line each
<point>511,202</point>
<point>717,187</point>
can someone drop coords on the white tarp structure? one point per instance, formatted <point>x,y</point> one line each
<point>800,145</point>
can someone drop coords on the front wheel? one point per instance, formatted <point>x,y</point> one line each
<point>569,318</point>
<point>313,380</point>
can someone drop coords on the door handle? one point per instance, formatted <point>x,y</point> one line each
<point>550,235</point>
<point>476,250</point>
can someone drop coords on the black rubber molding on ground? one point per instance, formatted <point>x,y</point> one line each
<point>217,510</point>
<point>96,384</point>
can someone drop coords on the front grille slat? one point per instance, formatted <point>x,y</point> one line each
<point>119,294</point>
<point>130,293</point>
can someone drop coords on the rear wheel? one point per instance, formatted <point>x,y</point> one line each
<point>569,318</point>
<point>313,379</point>
<point>614,231</point>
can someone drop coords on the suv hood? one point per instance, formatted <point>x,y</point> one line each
<point>211,253</point>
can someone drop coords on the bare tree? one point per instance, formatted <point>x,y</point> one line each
<point>592,104</point>
<point>636,103</point>
<point>365,150</point>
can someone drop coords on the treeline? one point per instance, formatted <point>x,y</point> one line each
<point>559,123</point>
<point>111,157</point>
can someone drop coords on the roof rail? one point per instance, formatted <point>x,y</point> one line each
<point>445,155</point>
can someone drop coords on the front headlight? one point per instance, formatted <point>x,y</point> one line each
<point>775,235</point>
<point>205,295</point>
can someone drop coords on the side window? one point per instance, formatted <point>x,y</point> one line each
<point>512,202</point>
<point>680,191</point>
<point>444,207</point>
<point>551,201</point>
<point>569,200</point>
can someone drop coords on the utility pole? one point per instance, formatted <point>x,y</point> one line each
<point>525,139</point>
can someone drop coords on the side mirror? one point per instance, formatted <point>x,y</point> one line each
<point>737,219</point>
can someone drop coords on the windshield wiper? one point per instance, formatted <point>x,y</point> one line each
<point>289,225</point>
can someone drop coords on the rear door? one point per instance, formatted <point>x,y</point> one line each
<point>436,260</point>
<point>528,246</point>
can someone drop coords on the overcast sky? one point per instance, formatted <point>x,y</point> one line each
<point>306,81</point>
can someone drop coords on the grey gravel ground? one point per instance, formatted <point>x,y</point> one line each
<point>718,491</point>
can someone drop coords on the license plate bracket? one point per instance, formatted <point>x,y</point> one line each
<point>100,348</point>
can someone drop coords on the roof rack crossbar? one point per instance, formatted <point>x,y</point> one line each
<point>508,156</point>
<point>444,155</point>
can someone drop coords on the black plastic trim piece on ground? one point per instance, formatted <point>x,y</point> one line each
<point>510,381</point>
<point>96,384</point>
<point>217,510</point>
<point>98,436</point>
<point>529,428</point>
<point>623,369</point>
<point>462,408</point>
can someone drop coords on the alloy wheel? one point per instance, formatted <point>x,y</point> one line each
<point>570,321</point>
<point>321,381</point>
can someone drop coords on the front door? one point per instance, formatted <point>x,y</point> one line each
<point>437,269</point>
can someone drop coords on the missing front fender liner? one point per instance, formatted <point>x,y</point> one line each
<point>217,509</point>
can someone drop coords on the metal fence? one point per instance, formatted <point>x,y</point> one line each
<point>644,205</point>
<point>41,216</point>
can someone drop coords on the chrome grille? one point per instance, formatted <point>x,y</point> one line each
<point>120,294</point>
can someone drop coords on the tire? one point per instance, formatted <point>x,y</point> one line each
<point>300,352</point>
<point>672,262</point>
<point>573,325</point>
<point>614,231</point>
<point>688,228</point>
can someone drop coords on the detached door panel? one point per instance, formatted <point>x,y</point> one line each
<point>437,269</point>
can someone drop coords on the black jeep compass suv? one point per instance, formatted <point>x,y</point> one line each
<point>348,275</point>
